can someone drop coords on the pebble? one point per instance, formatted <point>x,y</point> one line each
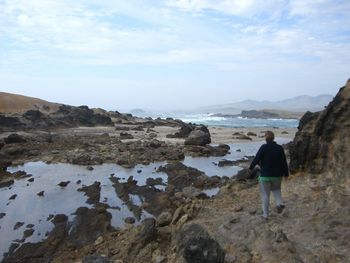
<point>129,220</point>
<point>237,208</point>
<point>99,241</point>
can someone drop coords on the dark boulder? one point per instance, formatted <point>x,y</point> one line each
<point>14,138</point>
<point>195,245</point>
<point>199,136</point>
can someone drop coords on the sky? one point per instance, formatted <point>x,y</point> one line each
<point>173,54</point>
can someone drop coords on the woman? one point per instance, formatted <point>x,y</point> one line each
<point>273,163</point>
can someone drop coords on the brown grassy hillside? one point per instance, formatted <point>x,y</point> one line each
<point>13,103</point>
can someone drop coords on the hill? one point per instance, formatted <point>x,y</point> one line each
<point>296,104</point>
<point>13,103</point>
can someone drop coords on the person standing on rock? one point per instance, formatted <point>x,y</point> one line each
<point>273,163</point>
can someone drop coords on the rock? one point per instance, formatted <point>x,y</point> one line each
<point>18,225</point>
<point>225,162</point>
<point>164,219</point>
<point>122,128</point>
<point>154,181</point>
<point>88,225</point>
<point>280,236</point>
<point>80,159</point>
<point>245,174</point>
<point>160,259</point>
<point>27,233</point>
<point>14,138</point>
<point>41,193</point>
<point>96,258</point>
<point>6,183</point>
<point>2,215</point>
<point>322,141</point>
<point>13,197</point>
<point>126,136</point>
<point>155,143</point>
<point>230,258</point>
<point>252,134</point>
<point>148,231</point>
<point>93,192</point>
<point>183,132</point>
<point>63,184</point>
<point>99,241</point>
<point>90,168</point>
<point>69,116</point>
<point>33,115</point>
<point>180,175</point>
<point>177,215</point>
<point>193,192</point>
<point>198,137</point>
<point>10,122</point>
<point>30,226</point>
<point>238,208</point>
<point>242,137</point>
<point>59,219</point>
<point>30,180</point>
<point>195,245</point>
<point>130,220</point>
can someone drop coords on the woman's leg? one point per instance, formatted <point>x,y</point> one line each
<point>276,191</point>
<point>265,188</point>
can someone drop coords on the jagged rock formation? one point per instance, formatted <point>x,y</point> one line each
<point>323,140</point>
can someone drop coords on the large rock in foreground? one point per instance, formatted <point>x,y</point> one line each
<point>195,245</point>
<point>323,140</point>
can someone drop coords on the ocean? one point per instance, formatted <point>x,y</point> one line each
<point>237,122</point>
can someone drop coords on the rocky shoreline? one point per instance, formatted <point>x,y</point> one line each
<point>187,225</point>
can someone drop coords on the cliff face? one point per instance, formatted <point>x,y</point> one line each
<point>322,143</point>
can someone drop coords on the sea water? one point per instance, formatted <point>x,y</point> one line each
<point>236,122</point>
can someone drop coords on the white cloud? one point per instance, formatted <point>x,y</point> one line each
<point>89,32</point>
<point>245,8</point>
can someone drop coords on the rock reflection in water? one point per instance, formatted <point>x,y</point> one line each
<point>30,208</point>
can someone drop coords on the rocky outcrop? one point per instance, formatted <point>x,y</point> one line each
<point>93,192</point>
<point>322,142</point>
<point>65,116</point>
<point>181,176</point>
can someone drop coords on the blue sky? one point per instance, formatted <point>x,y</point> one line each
<point>174,53</point>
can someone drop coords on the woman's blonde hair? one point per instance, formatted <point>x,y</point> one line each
<point>269,136</point>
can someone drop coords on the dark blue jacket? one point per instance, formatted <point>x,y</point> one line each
<point>272,160</point>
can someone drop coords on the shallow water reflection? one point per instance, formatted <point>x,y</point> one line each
<point>30,208</point>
